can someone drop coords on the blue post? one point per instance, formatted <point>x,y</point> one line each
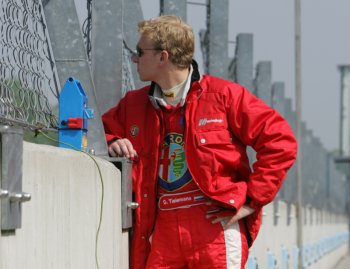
<point>284,257</point>
<point>307,256</point>
<point>295,252</point>
<point>271,260</point>
<point>73,116</point>
<point>252,262</point>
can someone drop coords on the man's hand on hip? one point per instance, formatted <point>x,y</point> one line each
<point>243,212</point>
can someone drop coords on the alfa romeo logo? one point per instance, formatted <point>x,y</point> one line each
<point>134,130</point>
<point>173,171</point>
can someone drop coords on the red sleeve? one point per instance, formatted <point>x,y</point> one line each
<point>114,121</point>
<point>269,134</point>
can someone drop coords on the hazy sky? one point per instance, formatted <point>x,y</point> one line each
<point>325,45</point>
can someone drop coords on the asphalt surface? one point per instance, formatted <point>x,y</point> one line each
<point>344,263</point>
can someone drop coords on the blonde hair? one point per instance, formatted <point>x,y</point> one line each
<point>172,34</point>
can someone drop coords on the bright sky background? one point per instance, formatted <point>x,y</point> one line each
<point>325,45</point>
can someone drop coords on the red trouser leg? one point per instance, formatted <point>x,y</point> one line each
<point>184,238</point>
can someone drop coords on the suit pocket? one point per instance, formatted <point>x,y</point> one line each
<point>212,138</point>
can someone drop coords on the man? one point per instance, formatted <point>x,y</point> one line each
<point>199,202</point>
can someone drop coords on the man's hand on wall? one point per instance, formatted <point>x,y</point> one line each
<point>122,148</point>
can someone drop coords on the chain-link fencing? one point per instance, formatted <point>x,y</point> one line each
<point>28,84</point>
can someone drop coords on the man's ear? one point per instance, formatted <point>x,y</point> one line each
<point>164,56</point>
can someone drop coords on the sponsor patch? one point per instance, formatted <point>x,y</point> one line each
<point>205,121</point>
<point>134,130</point>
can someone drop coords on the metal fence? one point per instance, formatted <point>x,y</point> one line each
<point>28,85</point>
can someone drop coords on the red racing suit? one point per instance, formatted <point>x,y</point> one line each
<point>221,119</point>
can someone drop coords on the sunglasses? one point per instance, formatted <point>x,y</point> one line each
<point>139,52</point>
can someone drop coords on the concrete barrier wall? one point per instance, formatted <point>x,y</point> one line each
<point>60,223</point>
<point>325,239</point>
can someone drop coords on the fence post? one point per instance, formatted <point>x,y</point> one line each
<point>174,7</point>
<point>217,21</point>
<point>241,67</point>
<point>344,140</point>
<point>263,81</point>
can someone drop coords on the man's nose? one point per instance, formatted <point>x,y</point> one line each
<point>135,58</point>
